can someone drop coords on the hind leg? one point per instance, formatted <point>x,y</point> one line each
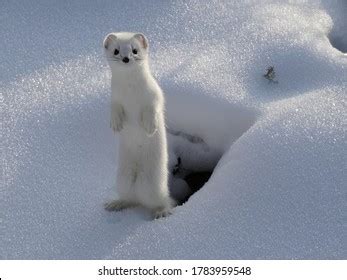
<point>161,213</point>
<point>125,186</point>
<point>153,194</point>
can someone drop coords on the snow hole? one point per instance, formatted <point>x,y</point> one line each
<point>338,34</point>
<point>186,178</point>
<point>338,42</point>
<point>192,160</point>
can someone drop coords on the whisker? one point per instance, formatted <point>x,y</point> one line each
<point>111,58</point>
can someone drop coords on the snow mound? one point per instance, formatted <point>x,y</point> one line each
<point>276,149</point>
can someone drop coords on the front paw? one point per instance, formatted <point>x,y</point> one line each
<point>117,118</point>
<point>149,121</point>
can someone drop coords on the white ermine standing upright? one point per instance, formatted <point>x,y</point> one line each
<point>137,113</point>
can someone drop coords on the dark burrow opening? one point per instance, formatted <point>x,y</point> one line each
<point>193,157</point>
<point>338,34</point>
<point>192,163</point>
<point>338,42</point>
<point>188,181</point>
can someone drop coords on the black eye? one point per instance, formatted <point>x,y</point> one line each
<point>116,52</point>
<point>134,51</point>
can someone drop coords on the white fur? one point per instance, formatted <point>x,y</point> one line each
<point>137,113</point>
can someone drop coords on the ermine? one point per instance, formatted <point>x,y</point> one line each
<point>137,114</point>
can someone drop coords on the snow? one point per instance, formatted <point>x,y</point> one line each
<point>278,150</point>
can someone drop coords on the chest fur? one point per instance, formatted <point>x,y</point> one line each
<point>134,95</point>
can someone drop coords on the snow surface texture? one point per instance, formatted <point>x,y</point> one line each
<point>279,189</point>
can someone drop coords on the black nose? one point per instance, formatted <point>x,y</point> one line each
<point>125,60</point>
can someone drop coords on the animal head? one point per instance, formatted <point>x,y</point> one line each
<point>126,50</point>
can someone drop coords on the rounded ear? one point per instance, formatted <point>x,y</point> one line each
<point>108,39</point>
<point>143,40</point>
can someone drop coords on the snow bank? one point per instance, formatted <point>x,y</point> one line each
<point>277,149</point>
